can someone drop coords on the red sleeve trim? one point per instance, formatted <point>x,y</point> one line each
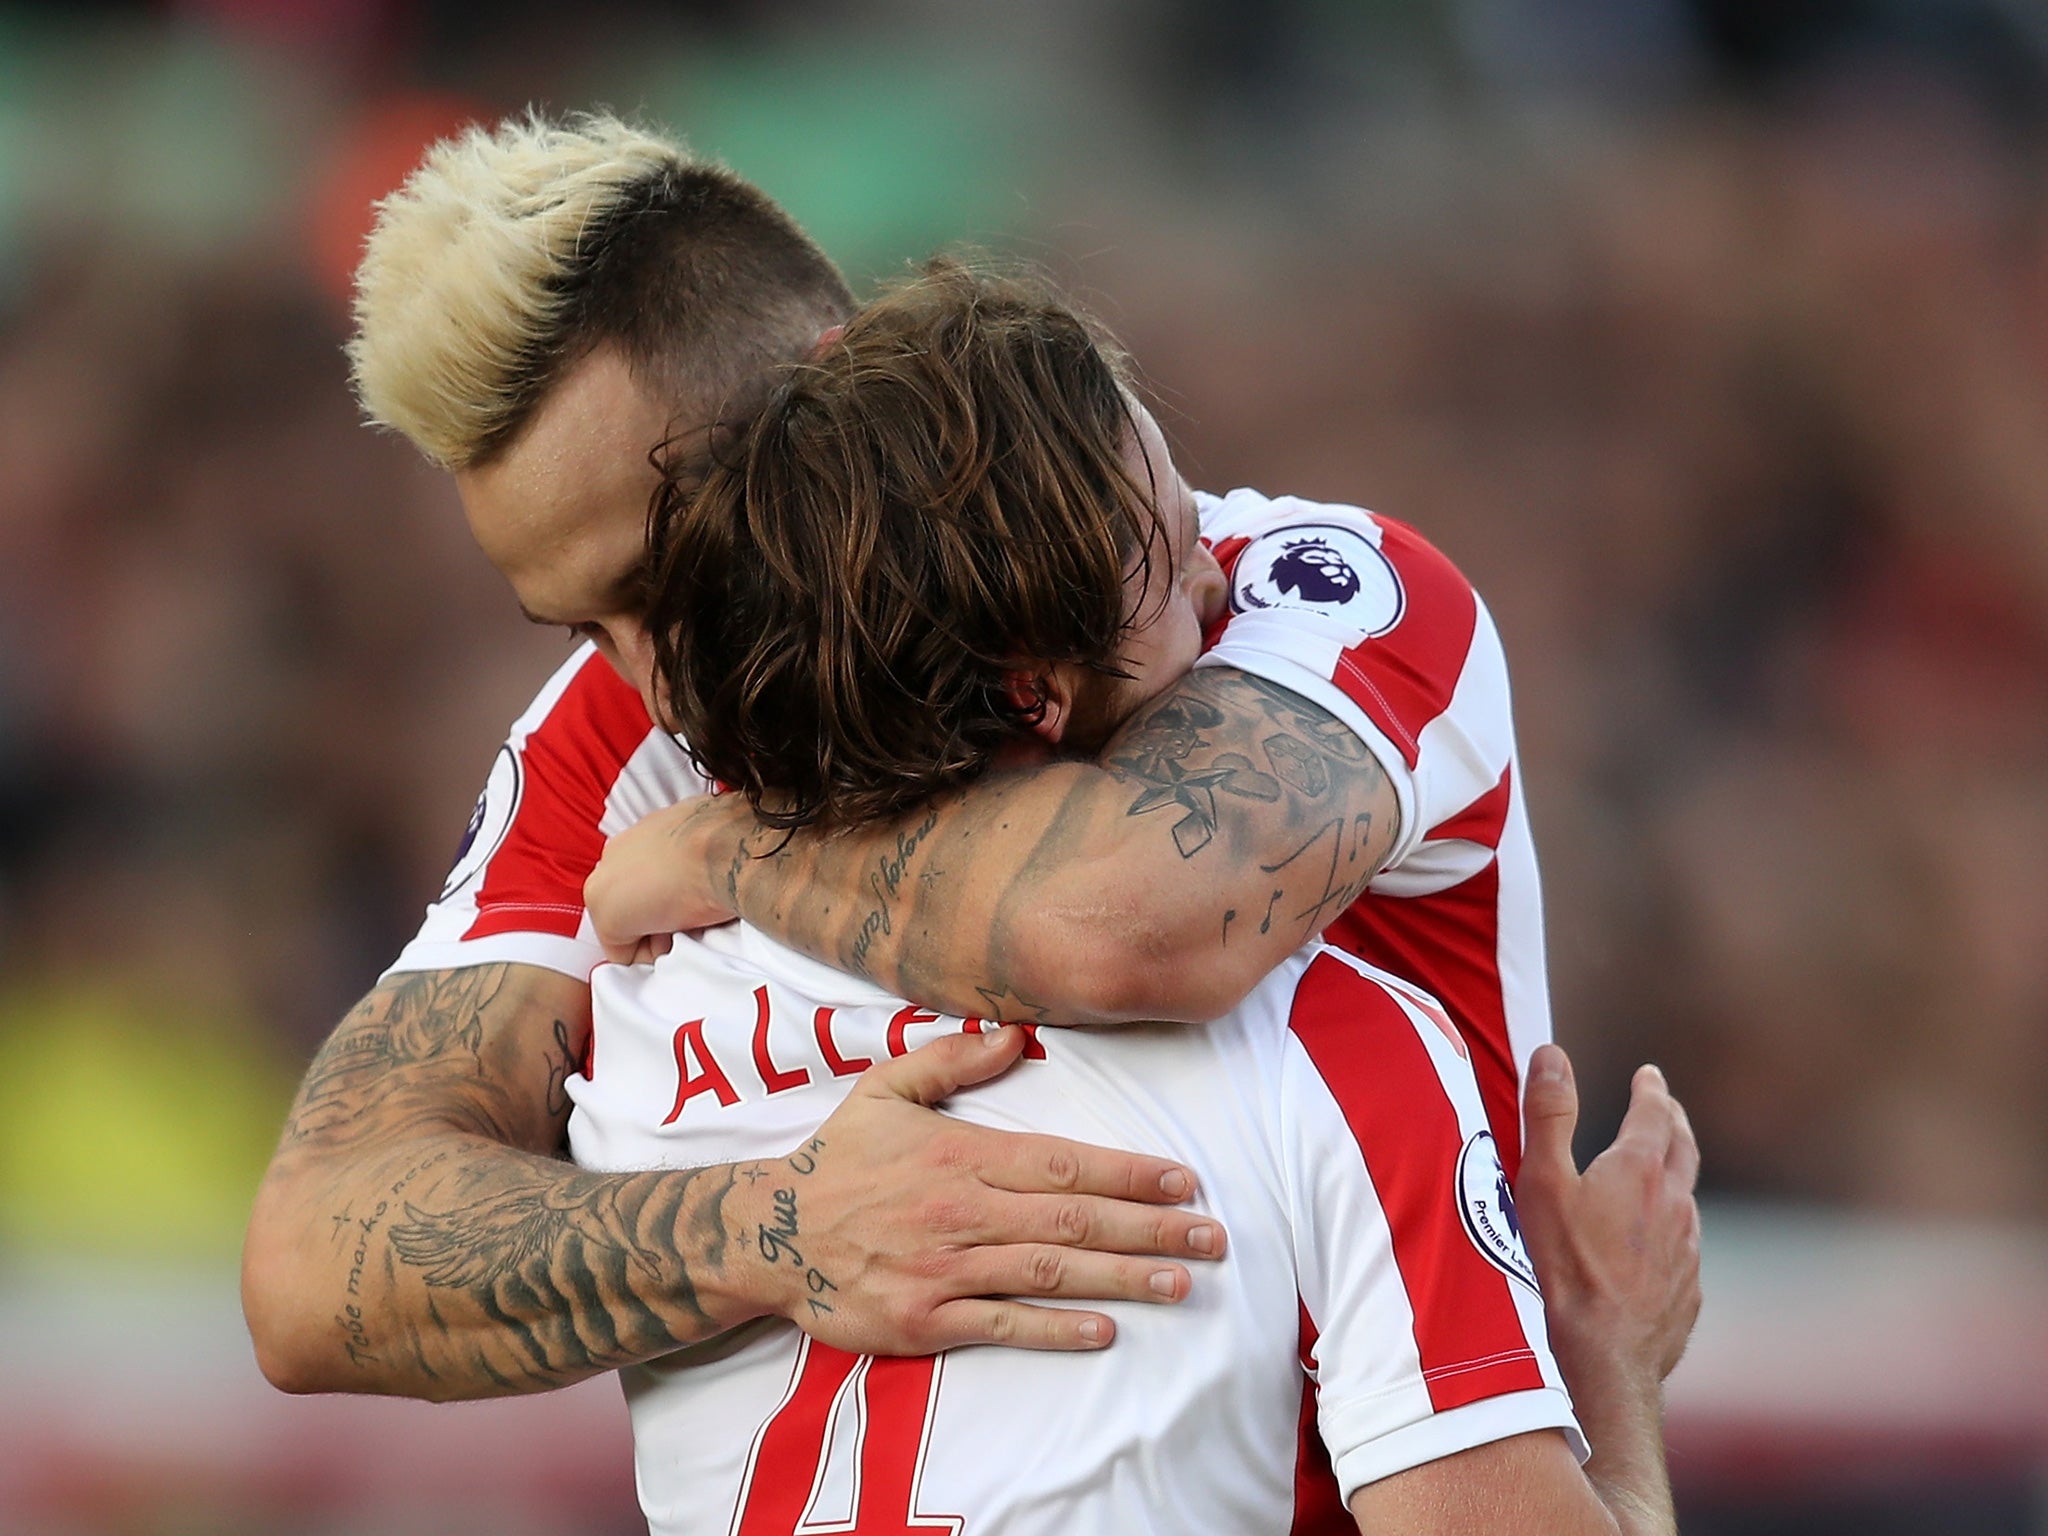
<point>1482,821</point>
<point>1468,1332</point>
<point>571,760</point>
<point>1452,937</point>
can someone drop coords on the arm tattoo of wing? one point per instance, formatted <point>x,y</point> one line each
<point>514,1232</point>
<point>572,1267</point>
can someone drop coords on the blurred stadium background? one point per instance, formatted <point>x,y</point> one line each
<point>1710,336</point>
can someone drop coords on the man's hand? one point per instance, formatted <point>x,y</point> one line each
<point>667,874</point>
<point>1618,1251</point>
<point>893,1230</point>
<point>1617,1247</point>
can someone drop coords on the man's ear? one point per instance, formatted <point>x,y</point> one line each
<point>1044,698</point>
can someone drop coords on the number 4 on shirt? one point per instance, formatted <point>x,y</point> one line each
<point>892,1401</point>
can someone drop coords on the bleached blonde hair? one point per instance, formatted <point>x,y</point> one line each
<point>513,251</point>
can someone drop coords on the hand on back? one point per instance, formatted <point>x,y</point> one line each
<point>664,876</point>
<point>897,1230</point>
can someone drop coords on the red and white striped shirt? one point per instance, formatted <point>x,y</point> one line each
<point>1376,1308</point>
<point>1362,615</point>
<point>584,762</point>
<point>1355,612</point>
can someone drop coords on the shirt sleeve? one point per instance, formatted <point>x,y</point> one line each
<point>1423,1322</point>
<point>1363,616</point>
<point>582,763</point>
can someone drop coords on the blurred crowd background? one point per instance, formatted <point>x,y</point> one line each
<point>1709,336</point>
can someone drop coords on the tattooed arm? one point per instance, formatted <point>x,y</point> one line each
<point>417,1234</point>
<point>414,1233</point>
<point>1229,821</point>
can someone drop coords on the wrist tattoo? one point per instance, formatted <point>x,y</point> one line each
<point>777,1239</point>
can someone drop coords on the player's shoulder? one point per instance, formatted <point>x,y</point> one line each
<point>588,746</point>
<point>585,696</point>
<point>1348,565</point>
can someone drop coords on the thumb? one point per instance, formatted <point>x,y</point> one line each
<point>1550,1114</point>
<point>938,1070</point>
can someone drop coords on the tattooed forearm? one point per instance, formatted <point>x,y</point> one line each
<point>575,1272</point>
<point>1230,817</point>
<point>410,1053</point>
<point>1337,850</point>
<point>417,1234</point>
<point>885,888</point>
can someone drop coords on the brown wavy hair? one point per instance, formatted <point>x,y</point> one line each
<point>844,596</point>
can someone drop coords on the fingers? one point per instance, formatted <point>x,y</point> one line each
<point>1031,1164</point>
<point>1019,1325</point>
<point>1048,1270</point>
<point>1093,1222</point>
<point>1550,1115</point>
<point>934,1072</point>
<point>1682,1160</point>
<point>1651,1123</point>
<point>1013,1160</point>
<point>644,950</point>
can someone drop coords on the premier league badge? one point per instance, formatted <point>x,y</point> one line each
<point>488,823</point>
<point>1487,1207</point>
<point>1320,568</point>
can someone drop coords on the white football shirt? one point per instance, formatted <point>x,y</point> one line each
<point>1376,1302</point>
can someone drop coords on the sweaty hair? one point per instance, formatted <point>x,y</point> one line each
<point>515,251</point>
<point>937,500</point>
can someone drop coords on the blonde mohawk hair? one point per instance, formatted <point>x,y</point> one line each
<point>513,251</point>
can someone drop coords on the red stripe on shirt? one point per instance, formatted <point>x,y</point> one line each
<point>1482,821</point>
<point>1405,678</point>
<point>1468,1333</point>
<point>534,883</point>
<point>1451,939</point>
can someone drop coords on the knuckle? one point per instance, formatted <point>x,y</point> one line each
<point>1002,1325</point>
<point>908,1321</point>
<point>1046,1268</point>
<point>949,1217</point>
<point>1536,1180</point>
<point>1072,1222</point>
<point>1062,1168</point>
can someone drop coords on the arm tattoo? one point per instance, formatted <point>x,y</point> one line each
<point>564,1264</point>
<point>885,885</point>
<point>776,1239</point>
<point>1277,804</point>
<point>1320,770</point>
<point>411,1051</point>
<point>466,1258</point>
